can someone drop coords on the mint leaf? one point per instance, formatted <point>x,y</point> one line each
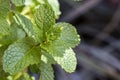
<point>4,7</point>
<point>20,55</point>
<point>15,34</point>
<point>18,2</point>
<point>69,35</point>
<point>25,23</point>
<point>55,6</point>
<point>67,61</point>
<point>46,71</point>
<point>44,19</point>
<point>4,26</point>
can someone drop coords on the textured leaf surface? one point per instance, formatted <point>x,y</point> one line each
<point>67,61</point>
<point>69,35</point>
<point>20,55</point>
<point>44,19</point>
<point>19,2</point>
<point>25,23</point>
<point>46,71</point>
<point>4,7</point>
<point>4,26</point>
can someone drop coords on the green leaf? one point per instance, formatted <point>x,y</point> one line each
<point>25,23</point>
<point>4,26</point>
<point>46,71</point>
<point>67,61</point>
<point>18,2</point>
<point>4,7</point>
<point>15,34</point>
<point>69,35</point>
<point>55,6</point>
<point>44,19</point>
<point>68,38</point>
<point>20,55</point>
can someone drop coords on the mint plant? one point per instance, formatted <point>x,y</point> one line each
<point>30,37</point>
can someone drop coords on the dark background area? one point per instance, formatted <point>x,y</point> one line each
<point>98,54</point>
